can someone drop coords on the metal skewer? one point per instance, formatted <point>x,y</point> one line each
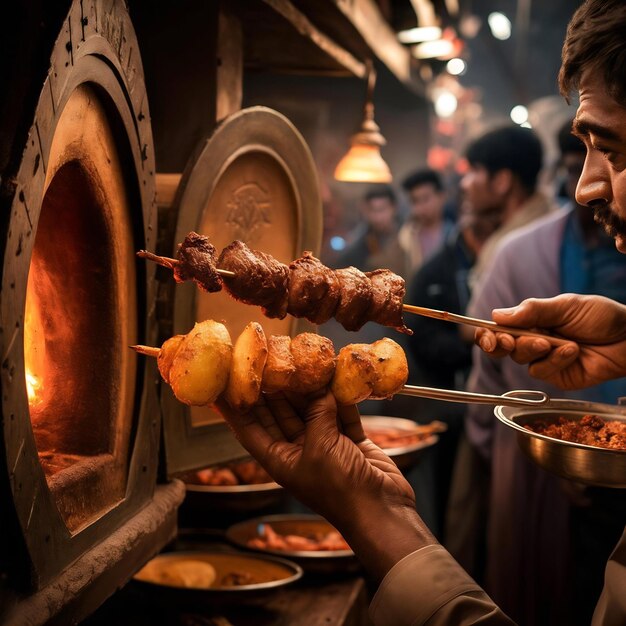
<point>473,321</point>
<point>170,263</point>
<point>511,398</point>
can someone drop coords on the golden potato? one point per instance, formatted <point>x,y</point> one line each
<point>249,356</point>
<point>355,374</point>
<point>200,368</point>
<point>279,367</point>
<point>167,354</point>
<point>314,360</point>
<point>392,369</point>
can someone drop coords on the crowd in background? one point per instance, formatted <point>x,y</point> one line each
<point>537,544</point>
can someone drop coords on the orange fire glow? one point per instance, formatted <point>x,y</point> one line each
<point>34,343</point>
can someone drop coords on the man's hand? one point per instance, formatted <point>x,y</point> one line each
<point>595,325</point>
<point>321,455</point>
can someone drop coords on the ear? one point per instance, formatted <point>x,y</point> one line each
<point>502,182</point>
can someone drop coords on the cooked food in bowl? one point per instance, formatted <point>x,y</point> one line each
<point>388,437</point>
<point>240,473</point>
<point>591,430</point>
<point>217,571</point>
<point>310,541</point>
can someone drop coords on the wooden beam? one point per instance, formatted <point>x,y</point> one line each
<point>304,26</point>
<point>379,36</point>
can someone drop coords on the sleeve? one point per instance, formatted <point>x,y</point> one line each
<point>429,588</point>
<point>611,608</point>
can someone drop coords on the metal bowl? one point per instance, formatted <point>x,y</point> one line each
<point>321,561</point>
<point>271,573</point>
<point>406,456</point>
<point>590,465</point>
<point>234,498</point>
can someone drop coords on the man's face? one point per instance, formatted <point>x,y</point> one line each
<point>479,191</point>
<point>380,214</point>
<point>426,204</point>
<point>601,124</point>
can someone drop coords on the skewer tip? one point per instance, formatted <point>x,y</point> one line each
<point>146,350</point>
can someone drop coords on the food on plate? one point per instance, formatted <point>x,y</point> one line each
<point>201,364</point>
<point>280,366</point>
<point>269,539</point>
<point>388,437</point>
<point>314,360</point>
<point>591,430</point>
<point>249,357</point>
<point>188,573</point>
<point>247,472</point>
<point>204,366</point>
<point>237,579</point>
<point>304,288</point>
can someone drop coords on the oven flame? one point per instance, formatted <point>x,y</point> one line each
<point>34,388</point>
<point>34,338</point>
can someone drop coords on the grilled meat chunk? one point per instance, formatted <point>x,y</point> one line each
<point>388,292</point>
<point>259,278</point>
<point>355,298</point>
<point>314,289</point>
<point>196,261</point>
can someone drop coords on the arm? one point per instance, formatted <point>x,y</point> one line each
<point>595,325</point>
<point>320,454</point>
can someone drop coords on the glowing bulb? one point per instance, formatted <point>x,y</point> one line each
<point>415,35</point>
<point>500,25</point>
<point>456,66</point>
<point>445,104</point>
<point>519,114</point>
<point>433,49</point>
<point>337,243</point>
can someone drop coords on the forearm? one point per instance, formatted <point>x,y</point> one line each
<point>382,535</point>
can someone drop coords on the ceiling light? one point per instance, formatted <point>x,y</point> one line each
<point>500,25</point>
<point>519,114</point>
<point>433,49</point>
<point>363,162</point>
<point>416,35</point>
<point>456,66</point>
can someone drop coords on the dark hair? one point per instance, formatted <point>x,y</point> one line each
<point>595,41</point>
<point>509,148</point>
<point>567,142</point>
<point>422,177</point>
<point>381,191</point>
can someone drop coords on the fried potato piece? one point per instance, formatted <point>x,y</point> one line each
<point>314,360</point>
<point>167,354</point>
<point>355,374</point>
<point>279,367</point>
<point>392,369</point>
<point>200,368</point>
<point>249,356</point>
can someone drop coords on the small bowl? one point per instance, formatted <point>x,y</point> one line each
<point>404,456</point>
<point>582,463</point>
<point>270,573</point>
<point>234,498</point>
<point>318,561</point>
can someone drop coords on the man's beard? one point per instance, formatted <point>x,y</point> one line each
<point>612,224</point>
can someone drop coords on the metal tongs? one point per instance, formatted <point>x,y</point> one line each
<point>510,398</point>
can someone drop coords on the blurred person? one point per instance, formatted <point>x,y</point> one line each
<point>501,185</point>
<point>319,451</point>
<point>425,227</point>
<point>376,244</point>
<point>441,357</point>
<point>564,252</point>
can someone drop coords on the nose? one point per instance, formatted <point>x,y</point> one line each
<point>594,185</point>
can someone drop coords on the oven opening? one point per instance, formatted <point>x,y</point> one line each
<point>80,316</point>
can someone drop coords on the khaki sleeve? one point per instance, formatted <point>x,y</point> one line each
<point>428,587</point>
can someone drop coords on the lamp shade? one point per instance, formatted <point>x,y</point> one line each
<point>363,164</point>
